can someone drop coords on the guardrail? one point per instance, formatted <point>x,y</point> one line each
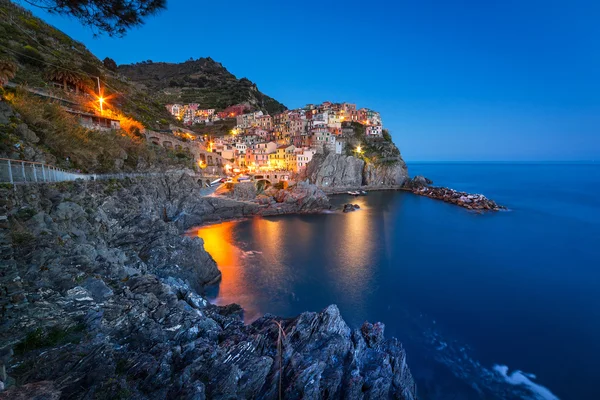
<point>17,171</point>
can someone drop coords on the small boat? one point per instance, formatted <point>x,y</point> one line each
<point>363,192</point>
<point>353,193</point>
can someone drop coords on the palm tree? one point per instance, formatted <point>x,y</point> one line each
<point>65,76</point>
<point>8,70</point>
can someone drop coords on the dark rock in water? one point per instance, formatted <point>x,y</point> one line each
<point>417,182</point>
<point>350,207</point>
<point>100,300</point>
<point>463,199</point>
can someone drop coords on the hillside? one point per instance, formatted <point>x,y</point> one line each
<point>203,81</point>
<point>50,69</point>
<point>41,51</point>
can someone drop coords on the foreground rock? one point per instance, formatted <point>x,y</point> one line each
<point>100,299</point>
<point>419,185</point>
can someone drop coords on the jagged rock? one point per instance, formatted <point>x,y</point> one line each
<point>330,171</point>
<point>335,170</point>
<point>392,174</point>
<point>417,182</point>
<point>6,112</point>
<point>104,302</point>
<point>27,134</point>
<point>44,390</point>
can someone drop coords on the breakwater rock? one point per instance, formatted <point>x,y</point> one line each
<point>101,298</point>
<point>420,185</point>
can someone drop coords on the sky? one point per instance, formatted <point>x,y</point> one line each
<point>507,80</point>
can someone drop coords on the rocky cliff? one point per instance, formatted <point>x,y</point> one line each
<point>337,171</point>
<point>370,162</point>
<point>101,299</point>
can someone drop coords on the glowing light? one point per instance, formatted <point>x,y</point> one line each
<point>358,149</point>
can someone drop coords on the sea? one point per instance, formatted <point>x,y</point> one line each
<point>496,305</point>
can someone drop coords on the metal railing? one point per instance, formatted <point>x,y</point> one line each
<point>18,171</point>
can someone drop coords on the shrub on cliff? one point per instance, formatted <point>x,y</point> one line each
<point>61,135</point>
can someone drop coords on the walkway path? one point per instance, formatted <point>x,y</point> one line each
<point>20,172</point>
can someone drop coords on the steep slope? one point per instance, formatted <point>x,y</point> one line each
<point>39,50</point>
<point>378,164</point>
<point>203,81</point>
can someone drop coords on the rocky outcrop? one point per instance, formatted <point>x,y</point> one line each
<point>420,185</point>
<point>100,299</point>
<point>300,198</point>
<point>380,165</point>
<point>391,174</point>
<point>335,170</point>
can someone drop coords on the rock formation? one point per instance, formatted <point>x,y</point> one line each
<point>378,164</point>
<point>331,171</point>
<point>101,299</point>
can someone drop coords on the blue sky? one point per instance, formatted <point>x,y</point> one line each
<point>454,80</point>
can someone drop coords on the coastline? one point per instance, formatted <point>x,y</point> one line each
<point>121,293</point>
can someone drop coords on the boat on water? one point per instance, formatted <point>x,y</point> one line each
<point>354,193</point>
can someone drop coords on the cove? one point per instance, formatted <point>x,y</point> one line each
<point>474,298</point>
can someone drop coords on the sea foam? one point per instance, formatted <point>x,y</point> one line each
<point>519,378</point>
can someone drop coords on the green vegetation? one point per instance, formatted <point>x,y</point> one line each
<point>201,81</point>
<point>87,150</point>
<point>22,238</point>
<point>38,50</point>
<point>39,338</point>
<point>25,214</point>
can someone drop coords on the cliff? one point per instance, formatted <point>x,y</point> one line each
<point>367,161</point>
<point>337,171</point>
<point>102,299</point>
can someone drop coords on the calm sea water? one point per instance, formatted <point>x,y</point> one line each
<point>501,305</point>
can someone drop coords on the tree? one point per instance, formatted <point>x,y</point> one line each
<point>8,70</point>
<point>65,76</point>
<point>113,17</point>
<point>110,64</point>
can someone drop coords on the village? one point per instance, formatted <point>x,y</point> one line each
<point>258,145</point>
<point>279,145</point>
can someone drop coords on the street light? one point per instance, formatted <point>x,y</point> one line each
<point>101,101</point>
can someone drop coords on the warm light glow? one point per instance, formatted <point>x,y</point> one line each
<point>358,149</point>
<point>219,241</point>
<point>101,102</point>
<point>234,132</point>
<point>201,164</point>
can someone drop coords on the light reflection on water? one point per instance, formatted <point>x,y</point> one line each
<point>463,292</point>
<point>270,264</point>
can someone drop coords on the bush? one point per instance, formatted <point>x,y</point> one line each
<point>386,135</point>
<point>30,55</point>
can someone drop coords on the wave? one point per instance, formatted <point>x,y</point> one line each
<point>520,378</point>
<point>495,382</point>
<point>250,253</point>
